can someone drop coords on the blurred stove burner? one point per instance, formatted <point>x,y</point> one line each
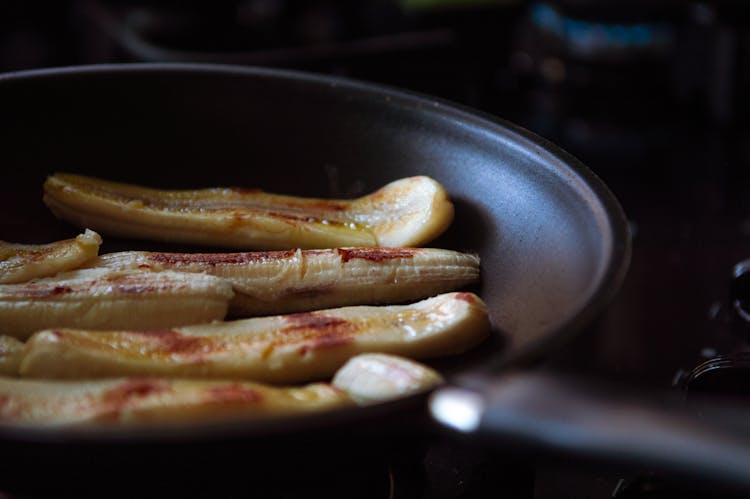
<point>599,85</point>
<point>603,40</point>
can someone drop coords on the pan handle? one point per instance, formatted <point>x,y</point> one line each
<point>559,414</point>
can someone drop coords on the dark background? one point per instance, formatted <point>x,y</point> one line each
<point>649,94</point>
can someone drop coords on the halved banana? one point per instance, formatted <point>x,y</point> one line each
<point>407,212</point>
<point>277,282</point>
<point>366,379</point>
<point>23,262</point>
<point>106,298</point>
<point>281,349</point>
<point>133,401</point>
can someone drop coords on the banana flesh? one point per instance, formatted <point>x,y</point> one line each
<point>23,262</point>
<point>408,212</point>
<point>365,379</point>
<point>277,282</point>
<point>105,298</point>
<point>279,349</point>
<point>11,353</point>
<point>139,401</point>
<point>376,377</point>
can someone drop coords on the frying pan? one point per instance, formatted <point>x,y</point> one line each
<point>552,238</point>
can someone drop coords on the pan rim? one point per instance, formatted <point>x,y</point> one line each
<point>610,275</point>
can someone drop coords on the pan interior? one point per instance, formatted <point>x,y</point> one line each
<point>545,238</point>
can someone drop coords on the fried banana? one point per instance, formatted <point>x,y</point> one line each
<point>23,262</point>
<point>279,282</point>
<point>105,299</point>
<point>364,379</point>
<point>133,401</point>
<point>407,212</point>
<point>279,349</point>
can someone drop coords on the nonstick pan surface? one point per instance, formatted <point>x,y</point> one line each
<point>552,238</point>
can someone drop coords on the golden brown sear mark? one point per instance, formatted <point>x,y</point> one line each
<point>234,392</point>
<point>120,283</point>
<point>220,258</point>
<point>133,389</point>
<point>317,331</point>
<point>40,252</point>
<point>170,342</point>
<point>311,320</point>
<point>41,291</point>
<point>326,340</point>
<point>375,254</point>
<point>464,296</point>
<point>118,398</point>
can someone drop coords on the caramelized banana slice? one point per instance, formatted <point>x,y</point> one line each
<point>407,212</point>
<point>23,262</point>
<point>281,349</point>
<point>11,353</point>
<point>152,401</point>
<point>105,298</point>
<point>376,377</point>
<point>280,282</point>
